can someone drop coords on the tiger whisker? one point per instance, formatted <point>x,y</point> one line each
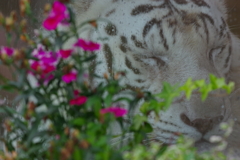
<point>234,25</point>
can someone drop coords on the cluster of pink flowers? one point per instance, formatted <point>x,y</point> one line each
<point>45,64</point>
<point>57,15</point>
<point>47,61</point>
<point>116,111</point>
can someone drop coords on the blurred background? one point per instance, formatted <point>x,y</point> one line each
<point>233,7</point>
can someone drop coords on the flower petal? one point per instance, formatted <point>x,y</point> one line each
<point>65,53</point>
<point>87,45</point>
<point>78,101</point>
<point>69,77</point>
<point>51,23</point>
<point>117,111</point>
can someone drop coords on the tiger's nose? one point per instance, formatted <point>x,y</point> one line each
<point>203,125</point>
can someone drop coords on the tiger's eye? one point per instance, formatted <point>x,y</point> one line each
<point>153,61</point>
<point>159,61</point>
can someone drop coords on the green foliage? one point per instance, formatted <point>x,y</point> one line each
<point>169,93</point>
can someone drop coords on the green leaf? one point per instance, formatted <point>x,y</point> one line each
<point>217,83</point>
<point>204,91</point>
<point>188,87</point>
<point>200,83</point>
<point>94,101</point>
<point>229,88</point>
<point>168,93</point>
<point>77,154</point>
<point>108,100</point>
<point>138,120</point>
<point>79,121</point>
<point>147,128</point>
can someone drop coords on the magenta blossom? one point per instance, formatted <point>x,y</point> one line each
<point>46,63</point>
<point>46,57</point>
<point>76,92</point>
<point>43,71</point>
<point>70,77</point>
<point>6,51</point>
<point>117,111</point>
<point>87,45</point>
<point>78,100</point>
<point>56,16</point>
<point>65,53</point>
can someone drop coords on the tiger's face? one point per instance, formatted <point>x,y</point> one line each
<point>168,40</point>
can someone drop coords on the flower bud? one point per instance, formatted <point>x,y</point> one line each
<point>13,14</point>
<point>140,94</point>
<point>24,7</point>
<point>25,64</point>
<point>31,42</point>
<point>105,75</point>
<point>93,23</point>
<point>86,84</point>
<point>116,76</point>
<point>46,42</point>
<point>18,54</point>
<point>84,144</point>
<point>70,145</point>
<point>31,106</point>
<point>66,131</point>
<point>67,69</point>
<point>9,23</point>
<point>47,8</point>
<point>65,154</point>
<point>1,18</point>
<point>7,124</point>
<point>23,37</point>
<point>75,134</point>
<point>23,25</point>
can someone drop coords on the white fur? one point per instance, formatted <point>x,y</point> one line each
<point>188,57</point>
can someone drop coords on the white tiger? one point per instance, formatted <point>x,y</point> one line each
<point>169,40</point>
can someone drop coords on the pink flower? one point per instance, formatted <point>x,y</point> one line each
<point>87,45</point>
<point>51,23</point>
<point>45,64</point>
<point>46,57</point>
<point>70,77</point>
<point>65,53</point>
<point>43,71</point>
<point>117,111</point>
<point>56,16</point>
<point>6,51</point>
<point>59,7</point>
<point>78,100</point>
<point>76,92</point>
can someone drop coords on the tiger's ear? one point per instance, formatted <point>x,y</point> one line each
<point>234,72</point>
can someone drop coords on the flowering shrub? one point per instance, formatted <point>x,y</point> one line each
<point>62,115</point>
